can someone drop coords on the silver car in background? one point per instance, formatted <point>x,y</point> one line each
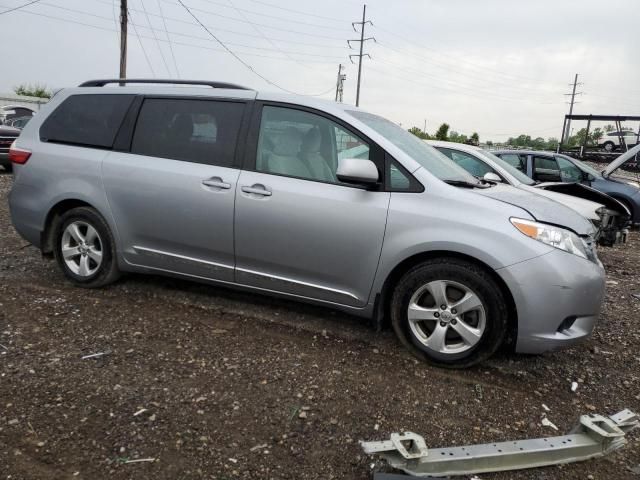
<point>306,199</point>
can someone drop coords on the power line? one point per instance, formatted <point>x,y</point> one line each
<point>273,16</point>
<point>237,57</point>
<point>191,45</point>
<point>19,7</point>
<point>361,41</point>
<point>461,61</point>
<point>335,57</point>
<point>166,31</point>
<point>263,35</point>
<point>299,12</point>
<point>153,33</point>
<point>144,51</point>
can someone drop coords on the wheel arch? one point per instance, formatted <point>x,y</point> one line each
<point>55,212</point>
<point>383,301</point>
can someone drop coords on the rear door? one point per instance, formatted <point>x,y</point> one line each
<point>545,169</point>
<point>172,192</point>
<point>298,229</point>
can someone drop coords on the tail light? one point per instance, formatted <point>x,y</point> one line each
<point>18,155</point>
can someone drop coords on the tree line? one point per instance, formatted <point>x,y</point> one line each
<point>444,134</point>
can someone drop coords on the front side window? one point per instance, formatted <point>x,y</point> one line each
<point>545,169</point>
<point>301,144</point>
<point>471,164</point>
<point>568,171</point>
<point>198,131</point>
<point>514,160</point>
<point>86,120</point>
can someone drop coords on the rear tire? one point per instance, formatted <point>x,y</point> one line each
<point>85,249</point>
<point>471,327</point>
<point>8,167</point>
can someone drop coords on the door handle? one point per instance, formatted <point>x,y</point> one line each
<point>257,189</point>
<point>216,182</point>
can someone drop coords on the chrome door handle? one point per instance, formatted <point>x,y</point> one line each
<point>216,182</point>
<point>257,189</point>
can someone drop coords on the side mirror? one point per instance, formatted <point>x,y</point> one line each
<point>358,171</point>
<point>589,177</point>
<point>492,177</point>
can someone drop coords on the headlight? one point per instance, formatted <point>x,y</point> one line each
<point>554,236</point>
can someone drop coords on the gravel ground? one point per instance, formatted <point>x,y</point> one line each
<point>221,385</point>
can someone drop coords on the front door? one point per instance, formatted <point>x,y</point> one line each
<point>298,229</point>
<point>172,195</point>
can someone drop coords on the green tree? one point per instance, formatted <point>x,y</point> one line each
<point>475,138</point>
<point>29,90</point>
<point>443,132</point>
<point>457,137</point>
<point>419,133</point>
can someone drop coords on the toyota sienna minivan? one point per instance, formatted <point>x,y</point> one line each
<point>307,199</point>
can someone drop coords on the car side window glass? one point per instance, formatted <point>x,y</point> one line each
<point>514,160</point>
<point>568,171</point>
<point>86,120</point>
<point>398,181</point>
<point>197,131</point>
<point>300,144</point>
<point>471,164</point>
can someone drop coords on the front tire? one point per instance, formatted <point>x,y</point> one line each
<point>449,312</point>
<point>85,248</point>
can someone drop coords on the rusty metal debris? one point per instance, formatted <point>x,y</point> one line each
<point>594,436</point>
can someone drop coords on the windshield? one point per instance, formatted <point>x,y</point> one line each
<point>432,160</point>
<point>519,176</point>
<point>583,166</point>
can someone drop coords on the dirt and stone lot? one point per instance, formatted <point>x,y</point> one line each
<point>221,385</point>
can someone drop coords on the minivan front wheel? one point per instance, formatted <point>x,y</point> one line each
<point>449,312</point>
<point>85,249</point>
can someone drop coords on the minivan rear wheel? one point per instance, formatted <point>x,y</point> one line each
<point>449,312</point>
<point>85,249</point>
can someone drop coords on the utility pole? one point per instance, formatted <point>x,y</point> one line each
<point>424,129</point>
<point>573,97</point>
<point>361,41</point>
<point>123,38</point>
<point>340,84</point>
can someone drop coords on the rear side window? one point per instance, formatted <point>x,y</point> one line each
<point>87,120</point>
<point>198,131</point>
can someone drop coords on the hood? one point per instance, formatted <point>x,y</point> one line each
<point>617,163</point>
<point>587,193</point>
<point>586,208</point>
<point>540,208</point>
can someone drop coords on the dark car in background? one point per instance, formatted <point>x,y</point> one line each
<point>7,136</point>
<point>556,167</point>
<point>19,122</point>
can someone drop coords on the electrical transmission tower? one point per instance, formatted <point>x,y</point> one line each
<point>573,98</point>
<point>340,84</point>
<point>361,40</point>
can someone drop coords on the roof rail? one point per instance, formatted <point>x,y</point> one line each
<point>103,82</point>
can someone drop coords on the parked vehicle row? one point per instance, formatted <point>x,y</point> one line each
<point>554,167</point>
<point>609,216</point>
<point>306,199</point>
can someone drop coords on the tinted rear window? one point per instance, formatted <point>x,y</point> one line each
<point>199,131</point>
<point>88,120</point>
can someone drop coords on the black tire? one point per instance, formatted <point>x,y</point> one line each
<point>107,272</point>
<point>609,146</point>
<point>473,278</point>
<point>8,167</point>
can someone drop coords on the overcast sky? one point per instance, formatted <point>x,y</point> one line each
<point>498,67</point>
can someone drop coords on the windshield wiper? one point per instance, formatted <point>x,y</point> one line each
<point>464,183</point>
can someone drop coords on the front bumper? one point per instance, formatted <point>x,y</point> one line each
<point>558,298</point>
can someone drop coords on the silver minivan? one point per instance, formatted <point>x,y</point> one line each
<point>307,199</point>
